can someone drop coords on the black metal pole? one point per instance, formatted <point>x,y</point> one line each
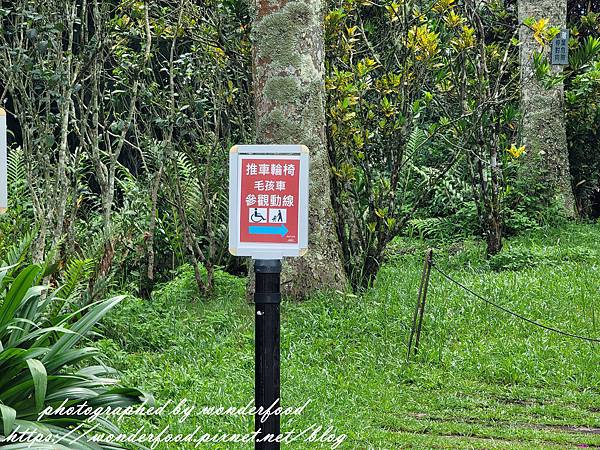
<point>267,298</point>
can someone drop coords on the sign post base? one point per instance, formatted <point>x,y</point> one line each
<point>267,299</point>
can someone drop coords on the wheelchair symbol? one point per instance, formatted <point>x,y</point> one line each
<point>258,215</point>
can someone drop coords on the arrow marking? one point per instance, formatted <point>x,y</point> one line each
<point>281,230</point>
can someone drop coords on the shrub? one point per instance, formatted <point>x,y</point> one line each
<point>521,258</point>
<point>164,321</point>
<point>42,365</point>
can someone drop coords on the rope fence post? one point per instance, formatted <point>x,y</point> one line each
<point>420,305</point>
<point>428,262</point>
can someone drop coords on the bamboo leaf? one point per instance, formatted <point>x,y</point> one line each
<point>81,327</point>
<point>8,418</point>
<point>17,292</point>
<point>40,381</point>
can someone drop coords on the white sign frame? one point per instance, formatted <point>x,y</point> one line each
<point>267,250</point>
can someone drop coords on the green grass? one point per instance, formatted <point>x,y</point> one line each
<point>482,379</point>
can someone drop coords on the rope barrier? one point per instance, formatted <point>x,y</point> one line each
<point>506,310</point>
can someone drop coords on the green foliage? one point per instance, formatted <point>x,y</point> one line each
<point>521,258</point>
<point>481,378</point>
<point>123,135</point>
<point>42,364</point>
<point>582,91</point>
<point>165,320</point>
<point>419,121</point>
<point>16,221</point>
<point>528,204</point>
<point>376,108</point>
<point>196,100</point>
<point>422,138</point>
<point>76,272</point>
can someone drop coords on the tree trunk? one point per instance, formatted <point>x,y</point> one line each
<point>544,133</point>
<point>289,95</point>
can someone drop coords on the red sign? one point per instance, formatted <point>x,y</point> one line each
<point>269,200</point>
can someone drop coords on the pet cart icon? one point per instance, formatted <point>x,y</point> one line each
<point>277,215</point>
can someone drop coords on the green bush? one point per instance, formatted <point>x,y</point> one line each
<point>521,258</point>
<point>159,323</point>
<point>582,105</point>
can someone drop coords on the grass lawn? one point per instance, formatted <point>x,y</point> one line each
<point>482,379</point>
